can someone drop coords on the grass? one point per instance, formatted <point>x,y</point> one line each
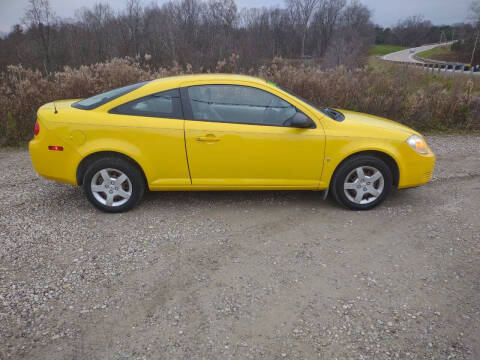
<point>385,49</point>
<point>444,53</point>
<point>435,52</point>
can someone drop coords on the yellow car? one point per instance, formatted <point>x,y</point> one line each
<point>222,132</point>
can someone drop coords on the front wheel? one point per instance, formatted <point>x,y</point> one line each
<point>113,185</point>
<point>362,182</point>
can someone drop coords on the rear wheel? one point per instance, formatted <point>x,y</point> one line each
<point>113,184</point>
<point>362,182</point>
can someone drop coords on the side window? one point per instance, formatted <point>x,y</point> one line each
<point>165,104</point>
<point>239,104</point>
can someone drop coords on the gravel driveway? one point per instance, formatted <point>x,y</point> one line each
<point>244,275</point>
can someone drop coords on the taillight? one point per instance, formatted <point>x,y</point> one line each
<point>36,130</point>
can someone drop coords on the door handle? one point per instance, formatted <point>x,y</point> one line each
<point>208,138</point>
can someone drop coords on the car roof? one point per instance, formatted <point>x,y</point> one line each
<point>207,77</point>
<point>172,82</point>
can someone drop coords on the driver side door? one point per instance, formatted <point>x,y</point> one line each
<point>239,136</point>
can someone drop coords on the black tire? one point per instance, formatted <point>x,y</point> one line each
<point>135,184</point>
<point>346,168</point>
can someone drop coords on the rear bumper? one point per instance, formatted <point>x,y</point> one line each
<point>55,165</point>
<point>417,170</point>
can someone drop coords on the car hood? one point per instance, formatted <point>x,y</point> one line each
<point>356,119</point>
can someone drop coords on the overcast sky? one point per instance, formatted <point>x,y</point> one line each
<point>385,12</point>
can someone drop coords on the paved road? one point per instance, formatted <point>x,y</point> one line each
<point>242,275</point>
<point>408,54</point>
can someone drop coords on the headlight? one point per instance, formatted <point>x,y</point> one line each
<point>418,144</point>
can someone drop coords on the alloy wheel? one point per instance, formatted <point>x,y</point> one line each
<point>111,187</point>
<point>363,185</point>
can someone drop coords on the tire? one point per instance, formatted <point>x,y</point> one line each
<point>113,184</point>
<point>358,192</point>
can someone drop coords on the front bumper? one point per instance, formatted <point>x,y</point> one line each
<point>417,170</point>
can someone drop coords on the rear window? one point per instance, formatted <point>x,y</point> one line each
<point>100,99</point>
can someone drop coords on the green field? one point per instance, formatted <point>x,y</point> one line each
<point>441,50</point>
<point>385,49</point>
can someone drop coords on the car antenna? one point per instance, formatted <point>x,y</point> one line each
<point>55,107</point>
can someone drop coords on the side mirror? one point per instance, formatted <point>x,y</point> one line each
<point>300,120</point>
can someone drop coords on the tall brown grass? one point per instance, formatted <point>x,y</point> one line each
<point>410,96</point>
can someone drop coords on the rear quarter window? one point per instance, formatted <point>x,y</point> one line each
<point>103,98</point>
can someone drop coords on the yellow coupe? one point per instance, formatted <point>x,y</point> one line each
<point>222,132</point>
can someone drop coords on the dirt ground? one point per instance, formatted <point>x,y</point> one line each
<point>242,275</point>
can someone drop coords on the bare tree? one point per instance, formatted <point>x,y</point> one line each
<point>196,32</point>
<point>474,14</point>
<point>301,12</point>
<point>188,16</point>
<point>40,17</point>
<point>133,22</point>
<point>96,23</point>
<point>354,35</point>
<point>222,13</point>
<point>220,19</point>
<point>325,21</point>
<point>159,33</point>
<point>412,31</point>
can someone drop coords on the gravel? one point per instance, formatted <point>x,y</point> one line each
<point>250,275</point>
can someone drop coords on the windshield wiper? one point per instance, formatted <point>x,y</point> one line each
<point>334,114</point>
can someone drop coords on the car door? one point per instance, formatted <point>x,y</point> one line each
<point>154,125</point>
<point>240,137</point>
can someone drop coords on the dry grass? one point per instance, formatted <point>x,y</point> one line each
<point>410,96</point>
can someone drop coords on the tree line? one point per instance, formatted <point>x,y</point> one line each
<point>416,30</point>
<point>201,33</point>
<point>195,32</point>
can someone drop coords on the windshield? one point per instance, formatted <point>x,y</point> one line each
<point>100,99</point>
<point>331,113</point>
<point>302,100</point>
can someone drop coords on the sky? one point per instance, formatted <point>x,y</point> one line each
<point>385,12</point>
